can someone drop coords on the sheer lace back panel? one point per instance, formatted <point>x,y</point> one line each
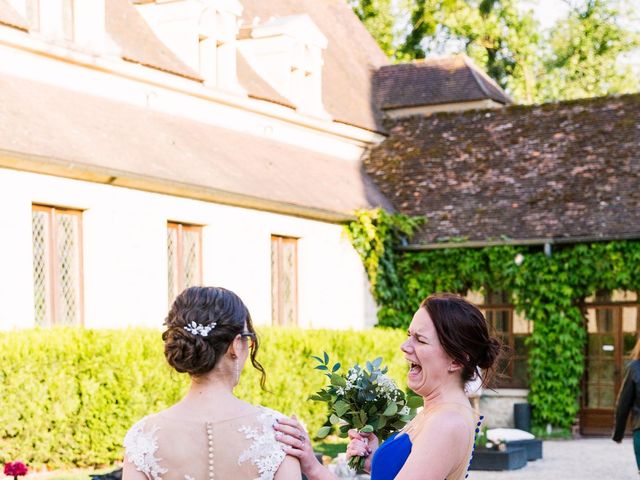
<point>238,448</point>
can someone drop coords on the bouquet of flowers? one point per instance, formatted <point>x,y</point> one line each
<point>365,399</point>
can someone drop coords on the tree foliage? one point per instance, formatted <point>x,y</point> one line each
<point>578,57</point>
<point>548,290</point>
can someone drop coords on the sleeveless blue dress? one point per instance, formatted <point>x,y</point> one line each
<point>391,456</point>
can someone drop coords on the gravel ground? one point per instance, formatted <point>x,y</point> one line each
<point>583,459</point>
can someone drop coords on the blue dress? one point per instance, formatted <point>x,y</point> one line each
<point>391,456</point>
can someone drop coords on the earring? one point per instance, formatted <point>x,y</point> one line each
<point>237,370</point>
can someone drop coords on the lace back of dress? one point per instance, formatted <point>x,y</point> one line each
<point>240,448</point>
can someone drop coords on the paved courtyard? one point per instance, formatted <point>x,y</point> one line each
<point>584,459</point>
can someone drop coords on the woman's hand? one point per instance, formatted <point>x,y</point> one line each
<point>362,445</point>
<point>296,440</point>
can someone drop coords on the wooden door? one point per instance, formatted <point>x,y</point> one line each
<point>612,329</point>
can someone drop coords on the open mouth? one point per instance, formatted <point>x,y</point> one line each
<point>414,368</point>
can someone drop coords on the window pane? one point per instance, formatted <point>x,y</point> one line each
<point>67,19</point>
<point>191,257</point>
<point>288,281</point>
<point>275,284</point>
<point>520,373</point>
<point>172,262</point>
<point>284,281</point>
<point>184,262</point>
<point>41,269</point>
<point>68,269</point>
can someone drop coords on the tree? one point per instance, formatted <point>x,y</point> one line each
<point>379,18</point>
<point>577,58</point>
<point>584,55</point>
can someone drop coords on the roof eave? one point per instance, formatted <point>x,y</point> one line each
<point>118,178</point>
<point>521,242</point>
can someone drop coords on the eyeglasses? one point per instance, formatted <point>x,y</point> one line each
<point>251,336</point>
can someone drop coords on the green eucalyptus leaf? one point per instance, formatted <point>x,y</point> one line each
<point>338,380</point>
<point>323,432</point>
<point>341,408</point>
<point>391,410</point>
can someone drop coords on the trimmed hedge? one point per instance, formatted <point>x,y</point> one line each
<point>68,396</point>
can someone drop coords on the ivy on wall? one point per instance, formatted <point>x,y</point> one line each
<point>548,289</point>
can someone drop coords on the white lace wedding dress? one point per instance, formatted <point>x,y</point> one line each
<point>239,448</point>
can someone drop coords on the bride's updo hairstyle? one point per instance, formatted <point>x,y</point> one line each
<point>464,334</point>
<point>197,354</point>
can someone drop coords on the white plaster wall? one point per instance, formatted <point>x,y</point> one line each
<point>125,259</point>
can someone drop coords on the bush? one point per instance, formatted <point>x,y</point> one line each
<point>68,396</point>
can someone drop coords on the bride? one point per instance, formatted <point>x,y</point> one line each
<point>209,434</point>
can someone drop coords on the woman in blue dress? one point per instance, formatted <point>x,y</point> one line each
<point>448,344</point>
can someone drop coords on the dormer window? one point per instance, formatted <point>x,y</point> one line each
<point>287,53</point>
<point>52,18</point>
<point>202,33</point>
<point>75,23</point>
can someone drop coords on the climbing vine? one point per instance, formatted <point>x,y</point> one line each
<point>548,289</point>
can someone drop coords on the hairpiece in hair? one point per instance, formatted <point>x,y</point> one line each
<point>199,329</point>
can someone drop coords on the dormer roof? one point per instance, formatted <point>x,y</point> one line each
<point>350,58</point>
<point>300,27</point>
<point>435,81</point>
<point>138,42</point>
<point>8,16</point>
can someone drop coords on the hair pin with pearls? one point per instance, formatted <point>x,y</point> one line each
<point>198,329</point>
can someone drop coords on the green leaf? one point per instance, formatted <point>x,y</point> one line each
<point>326,358</point>
<point>321,367</point>
<point>336,367</point>
<point>367,429</point>
<point>338,380</point>
<point>334,419</point>
<point>323,432</point>
<point>341,408</point>
<point>414,401</point>
<point>391,410</point>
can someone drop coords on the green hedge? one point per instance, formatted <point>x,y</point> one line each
<point>68,396</point>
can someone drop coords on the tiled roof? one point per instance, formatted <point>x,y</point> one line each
<point>8,16</point>
<point>138,42</point>
<point>84,133</point>
<point>452,79</point>
<point>350,59</point>
<point>559,170</point>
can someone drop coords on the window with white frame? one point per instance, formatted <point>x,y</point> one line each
<point>184,257</point>
<point>57,266</point>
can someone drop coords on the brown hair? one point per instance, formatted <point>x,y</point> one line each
<point>464,334</point>
<point>197,355</point>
